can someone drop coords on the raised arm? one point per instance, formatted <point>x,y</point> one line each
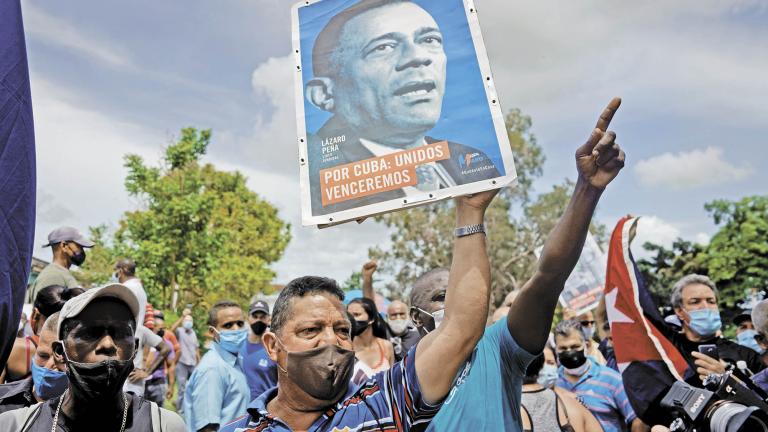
<point>368,269</point>
<point>441,352</point>
<point>598,162</point>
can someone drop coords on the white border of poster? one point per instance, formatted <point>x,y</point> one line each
<point>498,130</point>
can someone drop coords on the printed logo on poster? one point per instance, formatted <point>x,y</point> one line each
<point>396,107</point>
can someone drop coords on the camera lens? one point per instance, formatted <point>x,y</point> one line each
<point>733,417</point>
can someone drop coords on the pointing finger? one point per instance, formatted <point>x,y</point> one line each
<point>607,115</point>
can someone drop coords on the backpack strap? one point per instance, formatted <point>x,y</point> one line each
<point>26,416</point>
<point>157,423</point>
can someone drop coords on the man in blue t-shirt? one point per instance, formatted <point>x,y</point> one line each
<point>260,370</point>
<point>310,340</point>
<point>486,392</point>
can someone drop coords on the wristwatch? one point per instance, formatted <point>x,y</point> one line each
<point>469,230</point>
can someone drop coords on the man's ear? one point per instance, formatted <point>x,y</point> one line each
<point>319,92</point>
<point>270,344</point>
<point>58,351</point>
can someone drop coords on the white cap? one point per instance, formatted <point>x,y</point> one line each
<point>75,305</point>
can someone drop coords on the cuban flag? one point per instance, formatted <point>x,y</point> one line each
<point>17,173</point>
<point>649,363</point>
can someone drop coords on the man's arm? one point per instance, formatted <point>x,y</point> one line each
<point>162,353</point>
<point>598,161</point>
<point>368,269</point>
<point>440,353</point>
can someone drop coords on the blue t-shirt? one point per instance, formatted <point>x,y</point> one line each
<point>389,401</point>
<point>260,370</point>
<point>486,392</point>
<point>602,391</point>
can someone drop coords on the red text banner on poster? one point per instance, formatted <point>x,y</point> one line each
<point>378,174</point>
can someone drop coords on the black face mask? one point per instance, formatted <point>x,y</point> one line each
<point>572,359</point>
<point>78,258</point>
<point>323,372</point>
<point>161,332</point>
<point>97,381</point>
<point>358,327</point>
<point>258,328</point>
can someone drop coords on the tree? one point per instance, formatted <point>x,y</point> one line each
<point>737,255</point>
<point>736,258</point>
<point>422,238</point>
<point>667,266</point>
<point>201,235</point>
<point>100,262</point>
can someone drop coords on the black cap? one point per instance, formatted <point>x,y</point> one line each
<point>259,306</point>
<point>745,315</point>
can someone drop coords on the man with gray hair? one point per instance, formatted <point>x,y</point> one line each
<point>694,300</point>
<point>598,387</point>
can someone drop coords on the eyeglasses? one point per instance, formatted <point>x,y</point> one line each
<point>587,323</point>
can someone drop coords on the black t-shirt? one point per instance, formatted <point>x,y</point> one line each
<point>730,352</point>
<point>401,344</point>
<point>139,418</point>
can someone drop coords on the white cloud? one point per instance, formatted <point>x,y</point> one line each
<point>81,175</point>
<point>653,229</point>
<point>55,31</point>
<point>688,58</point>
<point>686,170</point>
<point>275,146</point>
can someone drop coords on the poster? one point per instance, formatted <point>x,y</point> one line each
<point>396,107</point>
<point>584,286</point>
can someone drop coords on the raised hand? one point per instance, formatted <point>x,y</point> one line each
<point>600,159</point>
<point>369,268</point>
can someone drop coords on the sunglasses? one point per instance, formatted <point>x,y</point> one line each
<point>587,323</point>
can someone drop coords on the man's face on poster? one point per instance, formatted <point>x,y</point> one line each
<point>390,67</point>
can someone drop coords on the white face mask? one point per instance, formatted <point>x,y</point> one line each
<point>437,317</point>
<point>398,326</point>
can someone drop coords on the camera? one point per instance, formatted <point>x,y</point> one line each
<point>726,404</point>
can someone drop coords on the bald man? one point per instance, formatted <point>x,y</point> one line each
<point>401,332</point>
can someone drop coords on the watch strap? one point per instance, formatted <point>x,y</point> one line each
<point>469,230</point>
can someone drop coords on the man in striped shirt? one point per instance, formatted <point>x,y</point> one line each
<point>598,387</point>
<point>310,341</point>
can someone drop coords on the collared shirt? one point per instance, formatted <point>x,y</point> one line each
<point>189,345</point>
<point>486,392</point>
<point>379,150</point>
<point>17,394</point>
<point>389,401</point>
<point>52,274</point>
<point>260,370</point>
<point>402,344</point>
<point>217,392</point>
<point>601,390</point>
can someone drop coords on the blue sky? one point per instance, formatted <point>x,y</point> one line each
<point>110,78</point>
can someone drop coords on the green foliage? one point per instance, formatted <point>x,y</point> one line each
<point>736,258</point>
<point>353,282</point>
<point>737,255</point>
<point>198,229</point>
<point>667,266</point>
<point>422,238</point>
<point>100,262</point>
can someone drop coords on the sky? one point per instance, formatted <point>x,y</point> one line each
<point>111,78</point>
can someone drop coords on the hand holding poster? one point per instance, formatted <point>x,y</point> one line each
<point>395,107</point>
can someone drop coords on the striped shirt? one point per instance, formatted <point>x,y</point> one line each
<point>388,402</point>
<point>602,392</point>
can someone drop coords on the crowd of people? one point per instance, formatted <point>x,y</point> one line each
<point>105,359</point>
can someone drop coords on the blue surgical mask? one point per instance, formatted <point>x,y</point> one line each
<point>547,376</point>
<point>232,340</point>
<point>705,322</point>
<point>187,325</point>
<point>747,339</point>
<point>48,383</point>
